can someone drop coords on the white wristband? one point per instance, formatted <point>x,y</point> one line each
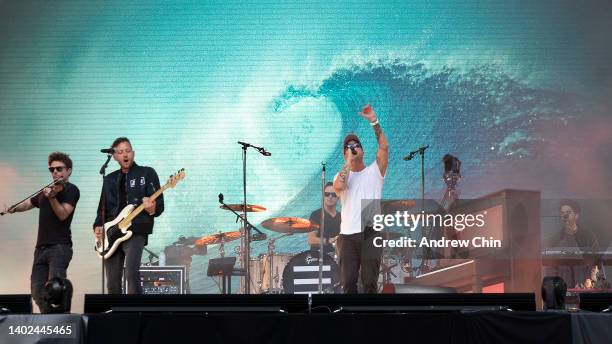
<point>374,123</point>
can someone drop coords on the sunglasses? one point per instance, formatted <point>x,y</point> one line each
<point>330,194</point>
<point>354,145</point>
<point>58,169</point>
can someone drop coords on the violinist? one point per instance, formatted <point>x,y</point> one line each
<point>56,202</point>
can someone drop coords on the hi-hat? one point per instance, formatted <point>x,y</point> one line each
<point>251,208</point>
<point>289,225</point>
<point>218,238</point>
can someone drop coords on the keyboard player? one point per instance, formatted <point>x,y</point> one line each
<point>576,241</point>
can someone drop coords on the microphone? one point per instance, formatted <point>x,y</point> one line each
<point>421,151</point>
<point>261,150</point>
<point>108,150</point>
<point>221,198</point>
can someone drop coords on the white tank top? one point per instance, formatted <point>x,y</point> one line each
<point>364,185</point>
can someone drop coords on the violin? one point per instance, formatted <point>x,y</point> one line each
<point>50,190</point>
<point>55,188</point>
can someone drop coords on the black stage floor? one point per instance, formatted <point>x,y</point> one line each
<point>322,319</point>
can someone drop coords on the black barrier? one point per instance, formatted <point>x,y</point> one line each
<point>16,304</point>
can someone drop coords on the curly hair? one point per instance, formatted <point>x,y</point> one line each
<point>59,156</point>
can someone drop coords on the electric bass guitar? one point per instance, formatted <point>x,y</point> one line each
<point>118,230</point>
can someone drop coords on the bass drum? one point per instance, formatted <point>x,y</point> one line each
<point>301,275</point>
<point>279,261</point>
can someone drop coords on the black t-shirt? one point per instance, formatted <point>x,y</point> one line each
<point>332,224</point>
<point>50,229</point>
<point>123,198</point>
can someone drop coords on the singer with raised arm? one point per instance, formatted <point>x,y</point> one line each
<point>356,182</point>
<point>130,184</point>
<point>56,202</point>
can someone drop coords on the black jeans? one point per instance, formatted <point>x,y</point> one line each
<point>49,261</point>
<point>130,253</point>
<point>357,252</point>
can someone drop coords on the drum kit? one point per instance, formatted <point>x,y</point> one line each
<point>274,272</point>
<point>277,272</point>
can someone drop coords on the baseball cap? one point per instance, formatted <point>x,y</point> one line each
<point>350,137</point>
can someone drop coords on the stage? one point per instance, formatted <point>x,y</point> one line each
<point>434,327</point>
<point>328,318</point>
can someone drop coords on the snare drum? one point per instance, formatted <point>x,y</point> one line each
<point>301,275</point>
<point>279,261</point>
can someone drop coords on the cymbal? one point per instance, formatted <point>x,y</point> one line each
<point>251,208</point>
<point>218,238</point>
<point>396,205</point>
<point>289,225</point>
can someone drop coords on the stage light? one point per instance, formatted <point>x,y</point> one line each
<point>57,296</point>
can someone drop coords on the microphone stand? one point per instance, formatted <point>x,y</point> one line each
<point>421,152</point>
<point>322,231</point>
<point>246,255</point>
<point>103,174</point>
<point>247,229</point>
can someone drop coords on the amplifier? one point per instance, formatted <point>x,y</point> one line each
<point>161,280</point>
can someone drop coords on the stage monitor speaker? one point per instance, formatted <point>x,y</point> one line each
<point>16,304</point>
<point>195,303</point>
<point>161,280</point>
<point>596,302</point>
<point>391,303</point>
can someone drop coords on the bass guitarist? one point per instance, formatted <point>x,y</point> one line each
<point>131,184</point>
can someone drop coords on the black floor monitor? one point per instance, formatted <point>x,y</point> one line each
<point>596,302</point>
<point>196,303</point>
<point>424,302</point>
<point>16,304</point>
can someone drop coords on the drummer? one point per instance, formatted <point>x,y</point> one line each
<point>332,222</point>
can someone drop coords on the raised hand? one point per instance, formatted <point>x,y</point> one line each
<point>368,113</point>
